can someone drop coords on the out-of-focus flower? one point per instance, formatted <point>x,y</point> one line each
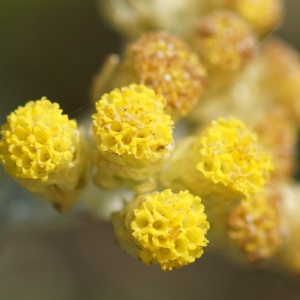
<point>133,17</point>
<point>132,133</point>
<point>225,162</point>
<point>271,80</point>
<point>247,98</point>
<point>262,15</point>
<point>277,132</point>
<point>226,43</point>
<point>42,149</point>
<point>165,228</point>
<point>289,255</point>
<point>167,65</point>
<point>256,224</point>
<point>283,67</point>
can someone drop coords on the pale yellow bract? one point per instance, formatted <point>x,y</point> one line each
<point>170,229</point>
<point>37,141</point>
<point>230,154</point>
<point>131,121</point>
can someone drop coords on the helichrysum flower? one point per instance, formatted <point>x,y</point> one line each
<point>132,133</point>
<point>37,140</point>
<point>229,154</point>
<point>262,15</point>
<point>165,64</point>
<point>283,66</point>
<point>224,41</point>
<point>256,224</point>
<point>38,148</point>
<point>224,161</point>
<point>164,228</point>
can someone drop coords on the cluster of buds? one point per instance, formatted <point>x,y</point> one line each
<point>199,122</point>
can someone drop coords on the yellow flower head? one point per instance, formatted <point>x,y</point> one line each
<point>283,65</point>
<point>224,41</point>
<point>230,155</point>
<point>37,141</point>
<point>256,225</point>
<point>163,227</point>
<point>131,122</point>
<point>167,65</point>
<point>263,15</point>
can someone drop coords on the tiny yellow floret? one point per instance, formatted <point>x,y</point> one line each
<point>170,229</point>
<point>37,141</point>
<point>230,155</point>
<point>131,122</point>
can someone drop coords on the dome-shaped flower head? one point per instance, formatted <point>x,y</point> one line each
<point>225,42</point>
<point>283,74</point>
<point>164,228</point>
<point>43,150</point>
<point>165,64</point>
<point>133,18</point>
<point>256,224</point>
<point>231,155</point>
<point>225,162</point>
<point>37,141</point>
<point>132,131</point>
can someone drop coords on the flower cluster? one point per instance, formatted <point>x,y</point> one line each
<point>205,121</point>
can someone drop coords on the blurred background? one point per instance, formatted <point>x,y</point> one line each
<point>53,48</point>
